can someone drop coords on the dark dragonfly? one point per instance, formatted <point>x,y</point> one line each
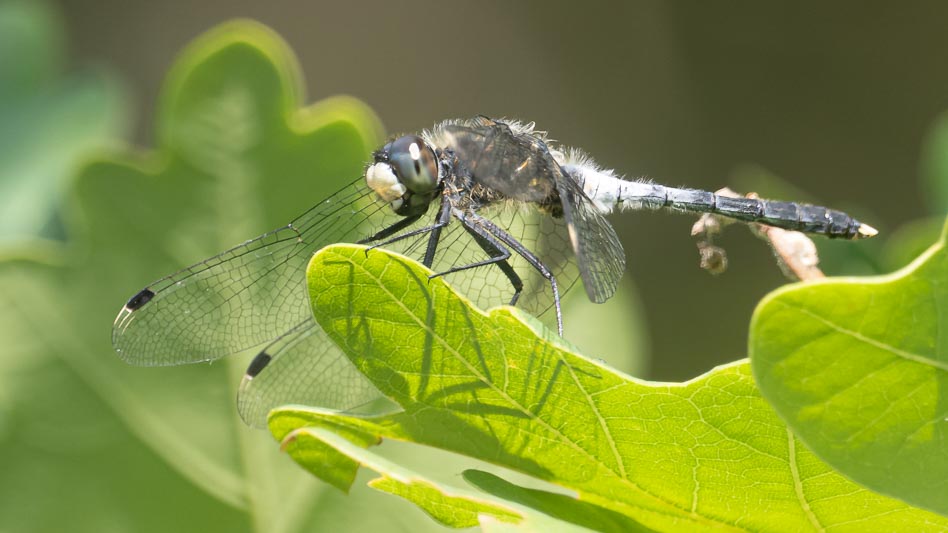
<point>511,217</point>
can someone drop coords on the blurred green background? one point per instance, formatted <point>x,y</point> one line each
<point>837,100</point>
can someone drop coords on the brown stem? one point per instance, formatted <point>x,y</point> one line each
<point>795,252</point>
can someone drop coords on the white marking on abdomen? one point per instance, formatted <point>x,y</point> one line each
<point>611,193</point>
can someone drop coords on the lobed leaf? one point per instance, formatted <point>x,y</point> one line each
<point>162,449</point>
<point>859,369</point>
<point>450,508</point>
<point>496,386</point>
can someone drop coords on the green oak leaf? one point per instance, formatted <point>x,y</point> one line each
<point>506,507</point>
<point>448,507</point>
<point>88,443</point>
<point>497,386</point>
<point>48,121</point>
<point>531,509</point>
<point>560,506</point>
<point>859,369</point>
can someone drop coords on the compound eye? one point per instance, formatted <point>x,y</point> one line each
<point>415,163</point>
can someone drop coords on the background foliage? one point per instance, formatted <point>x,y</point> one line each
<point>50,118</point>
<point>153,449</point>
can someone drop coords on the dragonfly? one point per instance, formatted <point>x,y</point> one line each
<point>509,215</point>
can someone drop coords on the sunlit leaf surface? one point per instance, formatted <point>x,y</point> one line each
<point>859,369</point>
<point>709,453</point>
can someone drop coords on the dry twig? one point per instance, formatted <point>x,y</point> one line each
<point>795,252</point>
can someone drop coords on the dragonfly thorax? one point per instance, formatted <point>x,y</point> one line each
<point>406,174</point>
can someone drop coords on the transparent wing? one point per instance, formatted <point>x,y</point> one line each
<point>302,367</point>
<point>599,253</point>
<point>255,292</point>
<point>544,235</point>
<point>305,367</point>
<point>245,296</point>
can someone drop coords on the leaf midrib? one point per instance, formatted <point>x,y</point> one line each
<point>909,356</point>
<point>527,412</point>
<point>798,483</point>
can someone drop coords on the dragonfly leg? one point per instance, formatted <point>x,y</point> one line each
<point>402,236</point>
<point>498,255</point>
<point>444,217</point>
<point>391,230</point>
<point>529,257</point>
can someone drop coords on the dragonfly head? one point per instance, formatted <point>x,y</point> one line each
<point>406,173</point>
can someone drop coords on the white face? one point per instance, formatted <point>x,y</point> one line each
<point>382,180</point>
<point>406,174</point>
